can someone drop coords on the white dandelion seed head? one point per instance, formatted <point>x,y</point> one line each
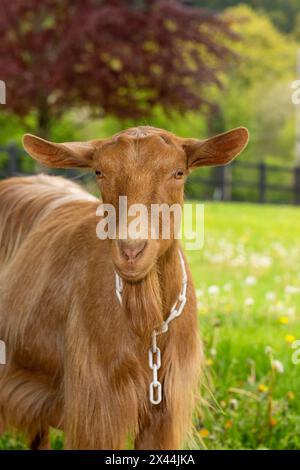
<point>213,290</point>
<point>234,404</point>
<point>250,281</point>
<point>270,296</point>
<point>249,301</point>
<point>278,366</point>
<point>227,287</point>
<point>292,289</point>
<point>213,352</point>
<point>268,350</point>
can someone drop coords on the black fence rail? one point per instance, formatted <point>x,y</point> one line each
<point>11,163</point>
<point>251,182</point>
<point>239,181</point>
<point>15,162</point>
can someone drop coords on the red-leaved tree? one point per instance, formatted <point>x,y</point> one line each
<point>115,57</point>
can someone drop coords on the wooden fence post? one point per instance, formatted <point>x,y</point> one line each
<point>222,182</point>
<point>13,159</point>
<point>227,175</point>
<point>262,180</point>
<point>222,190</point>
<point>297,185</point>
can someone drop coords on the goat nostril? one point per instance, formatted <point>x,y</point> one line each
<point>132,249</point>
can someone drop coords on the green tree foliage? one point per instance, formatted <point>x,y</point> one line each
<point>284,13</point>
<point>258,90</point>
<point>119,58</point>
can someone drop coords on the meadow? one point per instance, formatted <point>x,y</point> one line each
<point>248,286</point>
<point>247,278</point>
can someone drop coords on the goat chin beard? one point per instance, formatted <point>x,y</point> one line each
<point>133,277</point>
<point>142,302</point>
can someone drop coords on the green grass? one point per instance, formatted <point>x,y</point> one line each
<point>251,255</point>
<point>248,286</point>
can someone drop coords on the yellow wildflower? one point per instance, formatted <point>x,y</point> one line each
<point>273,422</point>
<point>284,320</point>
<point>290,339</point>
<point>228,307</point>
<point>209,362</point>
<point>204,432</point>
<point>228,424</point>
<point>290,395</point>
<point>262,388</point>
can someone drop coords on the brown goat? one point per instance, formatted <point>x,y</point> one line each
<point>76,359</point>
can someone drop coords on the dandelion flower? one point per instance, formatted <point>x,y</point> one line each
<point>291,311</point>
<point>258,260</point>
<point>213,290</point>
<point>284,320</point>
<point>228,307</point>
<point>290,339</point>
<point>199,293</point>
<point>270,296</point>
<point>278,366</point>
<point>292,290</point>
<point>262,388</point>
<point>204,432</point>
<point>250,281</point>
<point>249,301</point>
<point>228,424</point>
<point>209,362</point>
<point>290,395</point>
<point>273,422</point>
<point>234,404</point>
<point>227,287</point>
<point>268,350</point>
<point>213,352</point>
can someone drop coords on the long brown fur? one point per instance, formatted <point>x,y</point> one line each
<point>76,359</point>
<point>87,374</point>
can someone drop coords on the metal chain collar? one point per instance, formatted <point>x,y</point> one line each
<point>154,354</point>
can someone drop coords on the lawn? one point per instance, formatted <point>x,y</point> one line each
<point>248,286</point>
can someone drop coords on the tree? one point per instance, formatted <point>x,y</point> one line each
<point>283,13</point>
<point>112,57</point>
<point>257,90</point>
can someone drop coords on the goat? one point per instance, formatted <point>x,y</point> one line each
<point>77,359</point>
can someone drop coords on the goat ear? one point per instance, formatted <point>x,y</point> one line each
<point>217,150</point>
<point>65,155</point>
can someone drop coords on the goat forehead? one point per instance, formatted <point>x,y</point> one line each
<point>150,150</point>
<point>142,131</point>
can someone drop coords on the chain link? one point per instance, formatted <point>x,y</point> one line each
<point>119,287</point>
<point>154,357</point>
<point>176,311</point>
<point>154,354</point>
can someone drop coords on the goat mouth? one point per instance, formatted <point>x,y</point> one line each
<point>132,275</point>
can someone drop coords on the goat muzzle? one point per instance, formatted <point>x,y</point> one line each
<point>132,250</point>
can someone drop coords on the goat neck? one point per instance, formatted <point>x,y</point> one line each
<point>148,302</point>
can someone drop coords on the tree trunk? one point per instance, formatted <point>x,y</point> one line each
<point>43,119</point>
<point>43,128</point>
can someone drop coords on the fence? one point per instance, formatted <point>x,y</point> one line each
<point>243,181</point>
<point>239,181</point>
<point>17,163</point>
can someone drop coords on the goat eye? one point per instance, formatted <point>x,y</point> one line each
<point>99,173</point>
<point>179,174</point>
